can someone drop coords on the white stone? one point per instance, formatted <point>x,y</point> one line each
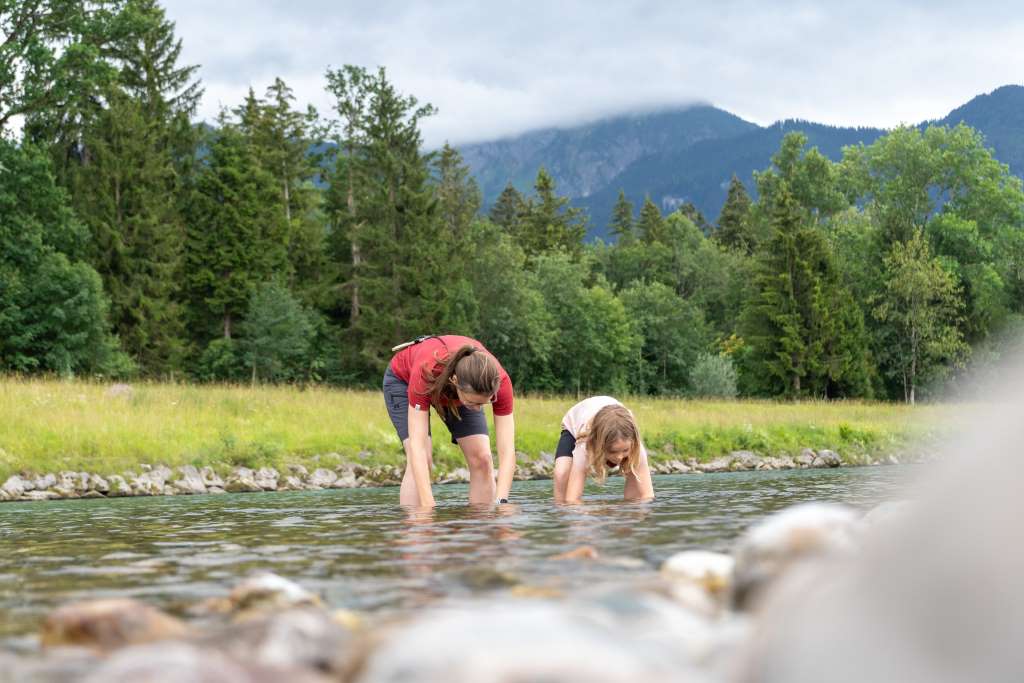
<point>322,478</point>
<point>802,532</point>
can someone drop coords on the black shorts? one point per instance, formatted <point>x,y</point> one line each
<point>396,399</point>
<point>566,442</point>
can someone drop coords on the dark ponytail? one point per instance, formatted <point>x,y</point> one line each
<point>477,372</point>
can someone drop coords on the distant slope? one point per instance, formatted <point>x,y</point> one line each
<point>999,115</point>
<point>691,154</point>
<point>701,173</point>
<point>584,159</point>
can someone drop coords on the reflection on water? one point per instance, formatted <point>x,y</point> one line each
<point>359,550</point>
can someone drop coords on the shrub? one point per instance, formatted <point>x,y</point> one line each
<point>713,376</point>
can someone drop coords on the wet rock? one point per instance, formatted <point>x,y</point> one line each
<point>60,664</point>
<point>322,478</point>
<point>151,482</point>
<point>215,490</point>
<point>4,496</point>
<point>108,624</point>
<point>806,458</point>
<point>98,483</point>
<point>40,495</point>
<point>14,487</point>
<point>827,458</point>
<point>346,480</point>
<point>719,464</point>
<point>307,638</point>
<point>118,486</point>
<point>188,663</point>
<point>803,532</point>
<point>584,552</point>
<point>242,480</point>
<point>483,578</point>
<point>744,460</point>
<point>267,591</point>
<point>712,572</point>
<point>266,478</point>
<point>292,483</point>
<point>459,475</point>
<point>678,466</point>
<point>190,481</point>
<point>93,494</point>
<point>776,463</point>
<point>617,638</point>
<point>211,478</point>
<point>893,460</point>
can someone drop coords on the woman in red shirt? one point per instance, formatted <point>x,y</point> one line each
<point>456,376</point>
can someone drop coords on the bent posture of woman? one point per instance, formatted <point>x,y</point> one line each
<point>458,377</point>
<point>600,434</point>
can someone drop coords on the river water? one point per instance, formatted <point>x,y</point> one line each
<point>359,550</point>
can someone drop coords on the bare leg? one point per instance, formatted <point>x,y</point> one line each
<point>407,494</point>
<point>560,478</point>
<point>477,449</point>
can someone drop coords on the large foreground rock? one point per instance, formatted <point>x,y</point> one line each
<point>937,593</point>
<point>187,663</point>
<point>300,638</point>
<point>620,637</point>
<point>811,531</point>
<point>108,624</point>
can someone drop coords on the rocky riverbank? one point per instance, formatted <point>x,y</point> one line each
<point>160,480</point>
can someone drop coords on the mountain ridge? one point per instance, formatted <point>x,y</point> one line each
<point>691,153</point>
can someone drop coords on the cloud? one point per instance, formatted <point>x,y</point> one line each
<point>497,69</point>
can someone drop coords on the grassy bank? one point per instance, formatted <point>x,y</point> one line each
<point>52,425</point>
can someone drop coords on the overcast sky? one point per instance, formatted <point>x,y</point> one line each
<point>499,68</point>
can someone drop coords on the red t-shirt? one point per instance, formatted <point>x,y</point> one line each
<point>408,366</point>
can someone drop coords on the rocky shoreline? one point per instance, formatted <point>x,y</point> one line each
<point>160,480</point>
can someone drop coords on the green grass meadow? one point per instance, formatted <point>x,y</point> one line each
<point>53,425</point>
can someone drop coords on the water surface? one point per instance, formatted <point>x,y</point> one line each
<point>359,550</point>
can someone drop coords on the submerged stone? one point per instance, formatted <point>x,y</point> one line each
<point>108,624</point>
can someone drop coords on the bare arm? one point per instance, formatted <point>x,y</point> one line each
<point>419,456</point>
<point>577,478</point>
<point>638,483</point>
<point>505,439</point>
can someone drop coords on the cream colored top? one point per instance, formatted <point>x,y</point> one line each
<point>577,421</point>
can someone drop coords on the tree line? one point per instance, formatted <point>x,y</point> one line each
<point>285,245</point>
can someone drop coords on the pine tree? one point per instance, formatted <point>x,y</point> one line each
<point>651,225</point>
<point>690,210</point>
<point>402,273</point>
<point>550,223</point>
<point>805,332</point>
<point>778,320</point>
<point>734,223</point>
<point>622,221</point>
<point>127,185</point>
<point>509,209</point>
<point>237,234</point>
<point>351,86</point>
<point>458,194</point>
<point>282,138</point>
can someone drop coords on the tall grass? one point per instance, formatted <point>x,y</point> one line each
<point>51,425</point>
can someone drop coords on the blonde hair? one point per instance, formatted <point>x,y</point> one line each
<point>609,425</point>
<point>477,373</point>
